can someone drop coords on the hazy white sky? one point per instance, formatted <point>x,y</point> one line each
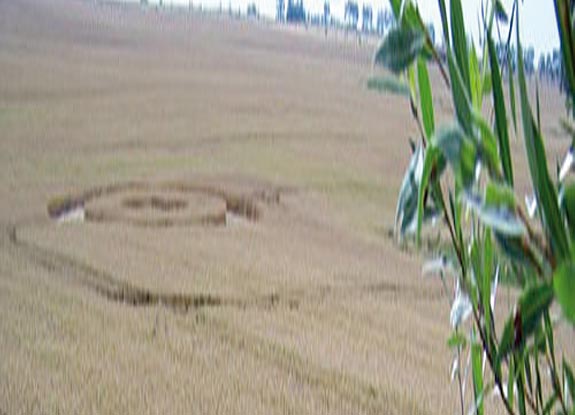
<point>537,22</point>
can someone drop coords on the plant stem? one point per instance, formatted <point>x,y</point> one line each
<point>537,239</point>
<point>415,115</point>
<point>460,381</point>
<point>491,364</point>
<point>555,381</point>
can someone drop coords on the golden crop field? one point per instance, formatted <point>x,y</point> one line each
<point>237,183</point>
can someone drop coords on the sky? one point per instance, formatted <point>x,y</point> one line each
<point>537,17</point>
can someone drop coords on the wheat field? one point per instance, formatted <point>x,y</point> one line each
<point>237,185</point>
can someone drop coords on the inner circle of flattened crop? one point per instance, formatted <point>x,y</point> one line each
<point>155,205</point>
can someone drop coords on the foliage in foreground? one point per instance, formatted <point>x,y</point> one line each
<point>489,231</point>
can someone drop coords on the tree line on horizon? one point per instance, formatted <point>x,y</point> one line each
<point>549,66</point>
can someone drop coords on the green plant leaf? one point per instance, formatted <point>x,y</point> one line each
<point>527,370</point>
<point>564,22</point>
<point>425,96</point>
<point>488,145</point>
<point>511,84</point>
<point>499,195</point>
<point>564,285</point>
<point>501,220</point>
<point>399,48</point>
<point>456,340</point>
<point>475,80</point>
<point>459,151</point>
<point>460,96</point>
<point>536,155</point>
<point>534,301</point>
<point>569,380</point>
<point>459,41</point>
<point>500,114</point>
<point>444,25</point>
<point>412,82</point>
<point>487,84</point>
<point>485,282</point>
<point>568,207</point>
<point>511,383</point>
<point>406,211</point>
<point>431,161</point>
<point>396,8</point>
<point>549,404</point>
<point>476,366</point>
<point>520,384</point>
<point>506,343</point>
<point>532,304</point>
<point>496,214</point>
<point>390,84</point>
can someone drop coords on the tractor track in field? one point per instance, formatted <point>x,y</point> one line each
<point>114,289</point>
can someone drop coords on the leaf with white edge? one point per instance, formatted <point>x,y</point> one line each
<point>568,164</point>
<point>460,309</point>
<point>531,205</point>
<point>399,48</point>
<point>438,266</point>
<point>431,161</point>
<point>454,368</point>
<point>406,211</point>
<point>497,217</point>
<point>513,248</point>
<point>494,286</point>
<point>564,286</point>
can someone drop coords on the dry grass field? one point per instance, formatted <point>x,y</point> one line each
<point>238,182</point>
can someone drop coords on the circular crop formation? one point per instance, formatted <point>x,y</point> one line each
<point>159,204</point>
